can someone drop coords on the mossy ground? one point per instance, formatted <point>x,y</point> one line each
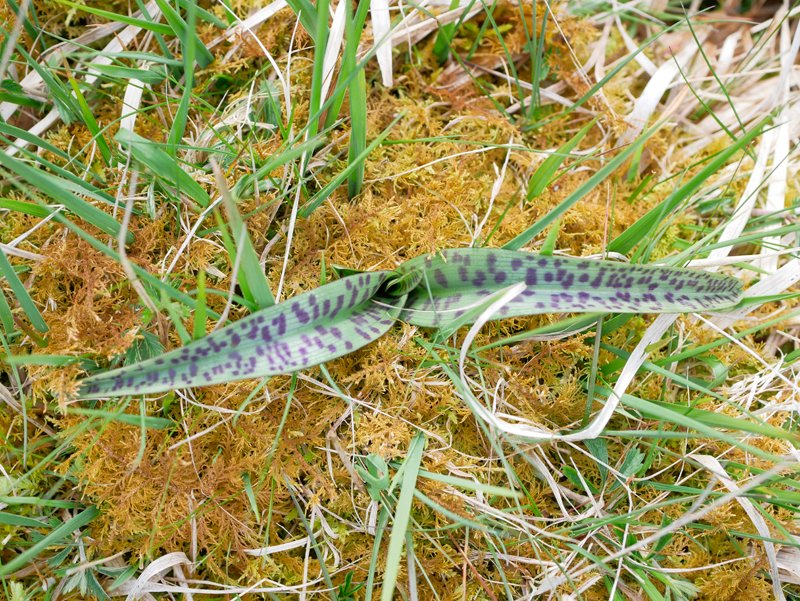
<point>428,187</point>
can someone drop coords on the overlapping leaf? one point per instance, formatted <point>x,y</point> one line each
<point>443,290</point>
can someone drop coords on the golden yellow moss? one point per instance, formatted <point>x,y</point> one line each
<point>427,189</point>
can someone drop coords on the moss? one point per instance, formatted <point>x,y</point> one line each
<point>426,188</point>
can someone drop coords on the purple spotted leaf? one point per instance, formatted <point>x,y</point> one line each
<point>446,290</point>
<point>309,329</point>
<point>456,283</point>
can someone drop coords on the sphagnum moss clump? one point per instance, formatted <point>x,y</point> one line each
<point>222,482</point>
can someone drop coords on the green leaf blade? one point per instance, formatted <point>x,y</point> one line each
<point>21,293</point>
<point>456,280</point>
<point>163,166</point>
<point>546,172</point>
<point>310,329</point>
<point>628,239</point>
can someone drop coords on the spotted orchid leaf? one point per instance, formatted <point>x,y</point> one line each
<point>445,290</point>
<point>455,282</point>
<point>309,329</point>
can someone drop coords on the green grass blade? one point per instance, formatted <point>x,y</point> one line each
<point>165,167</point>
<point>318,71</point>
<point>358,99</point>
<point>466,484</point>
<point>152,76</point>
<point>91,122</point>
<point>354,27</point>
<point>246,184</point>
<point>6,318</point>
<point>186,32</point>
<point>59,190</point>
<point>337,180</point>
<point>677,416</point>
<point>200,312</point>
<point>358,133</point>
<point>308,16</point>
<point>23,298</point>
<point>161,28</point>
<point>402,516</point>
<point>12,519</point>
<point>529,234</point>
<point>625,242</point>
<point>149,421</point>
<point>61,96</point>
<point>255,286</point>
<point>718,420</point>
<point>312,328</point>
<point>546,171</point>
<point>56,536</point>
<point>190,43</point>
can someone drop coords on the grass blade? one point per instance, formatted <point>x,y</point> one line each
<point>546,171</point>
<point>326,191</point>
<point>358,103</point>
<point>58,190</point>
<point>255,286</point>
<point>402,516</point>
<point>56,536</point>
<point>145,24</point>
<point>590,184</point>
<point>358,133</point>
<point>630,237</point>
<point>23,298</point>
<point>307,13</point>
<point>163,166</point>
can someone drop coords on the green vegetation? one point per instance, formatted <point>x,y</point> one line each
<point>170,169</point>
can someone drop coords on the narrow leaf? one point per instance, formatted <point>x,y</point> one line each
<point>252,279</point>
<point>56,536</point>
<point>6,319</point>
<point>112,16</point>
<point>186,33</point>
<point>152,76</point>
<point>149,421</point>
<point>312,328</point>
<point>631,236</point>
<point>162,165</point>
<point>547,170</point>
<point>402,516</point>
<point>590,184</point>
<point>58,189</point>
<point>21,294</point>
<point>307,13</point>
